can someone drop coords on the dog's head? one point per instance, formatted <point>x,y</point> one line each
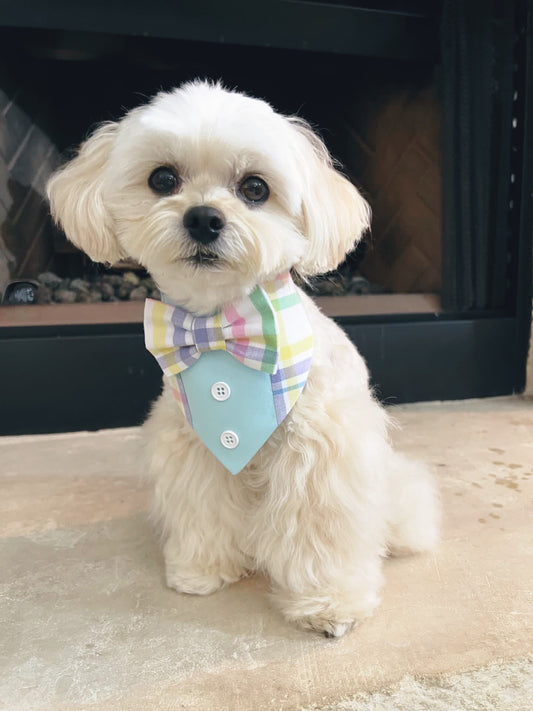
<point>212,191</point>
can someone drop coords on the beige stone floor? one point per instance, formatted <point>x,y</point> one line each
<point>86,621</point>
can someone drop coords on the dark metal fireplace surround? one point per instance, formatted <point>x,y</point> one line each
<point>69,377</point>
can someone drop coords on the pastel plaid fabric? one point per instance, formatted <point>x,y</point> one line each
<point>295,344</point>
<point>267,330</point>
<point>246,330</point>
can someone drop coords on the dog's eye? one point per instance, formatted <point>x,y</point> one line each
<point>163,181</point>
<point>254,190</point>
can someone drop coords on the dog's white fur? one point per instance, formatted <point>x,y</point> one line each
<point>326,497</point>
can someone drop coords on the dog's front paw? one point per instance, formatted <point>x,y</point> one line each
<point>328,627</point>
<point>194,582</point>
<point>331,615</point>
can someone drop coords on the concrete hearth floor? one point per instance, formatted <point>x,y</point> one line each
<point>87,622</point>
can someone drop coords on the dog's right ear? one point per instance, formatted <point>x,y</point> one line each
<point>76,198</point>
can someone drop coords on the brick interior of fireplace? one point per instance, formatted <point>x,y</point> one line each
<point>380,119</point>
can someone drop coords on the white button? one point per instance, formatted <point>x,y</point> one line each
<point>221,391</point>
<point>229,439</point>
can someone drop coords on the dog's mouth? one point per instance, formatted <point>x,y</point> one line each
<point>204,258</point>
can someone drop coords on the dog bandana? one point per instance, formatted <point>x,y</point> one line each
<point>236,374</point>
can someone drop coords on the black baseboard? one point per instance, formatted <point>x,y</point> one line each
<point>87,378</point>
<point>439,360</point>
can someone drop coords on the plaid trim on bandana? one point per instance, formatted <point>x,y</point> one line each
<point>267,330</point>
<point>295,339</point>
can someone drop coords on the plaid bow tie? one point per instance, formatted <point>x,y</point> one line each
<point>246,329</point>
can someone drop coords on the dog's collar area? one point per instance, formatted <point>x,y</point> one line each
<point>237,373</point>
<point>248,328</point>
<point>285,277</point>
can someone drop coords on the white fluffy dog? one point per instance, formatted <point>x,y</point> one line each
<point>325,498</point>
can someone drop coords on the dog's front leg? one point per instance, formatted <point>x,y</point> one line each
<point>195,507</point>
<point>201,552</point>
<point>324,542</point>
<point>332,606</point>
<point>199,564</point>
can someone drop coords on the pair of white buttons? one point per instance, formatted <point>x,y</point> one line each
<point>221,391</point>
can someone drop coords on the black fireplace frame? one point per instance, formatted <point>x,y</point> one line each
<point>66,378</point>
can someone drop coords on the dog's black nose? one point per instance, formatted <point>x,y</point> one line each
<point>203,223</point>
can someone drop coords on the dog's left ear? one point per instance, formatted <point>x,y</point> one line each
<point>334,214</point>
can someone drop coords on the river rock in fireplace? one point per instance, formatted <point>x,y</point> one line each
<point>50,288</point>
<point>128,286</point>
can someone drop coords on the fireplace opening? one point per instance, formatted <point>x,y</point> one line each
<point>427,106</point>
<point>380,118</point>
